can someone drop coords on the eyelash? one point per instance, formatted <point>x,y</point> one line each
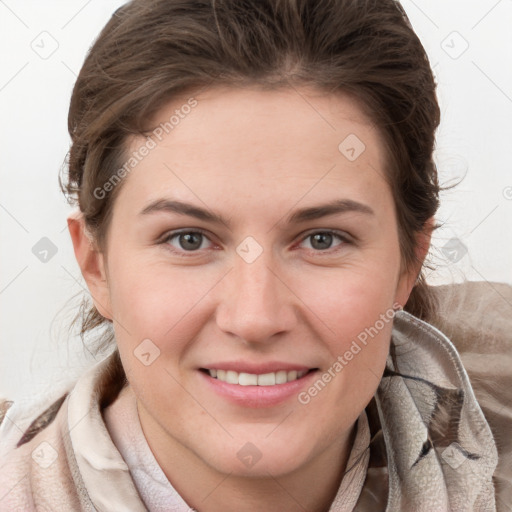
<point>343,237</point>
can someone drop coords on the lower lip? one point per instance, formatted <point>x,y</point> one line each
<point>258,396</point>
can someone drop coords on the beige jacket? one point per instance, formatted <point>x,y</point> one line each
<point>433,448</point>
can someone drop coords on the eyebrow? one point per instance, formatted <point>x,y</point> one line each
<point>337,206</point>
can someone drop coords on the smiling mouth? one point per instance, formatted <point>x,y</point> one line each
<point>252,379</point>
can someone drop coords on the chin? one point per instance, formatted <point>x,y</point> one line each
<point>258,458</point>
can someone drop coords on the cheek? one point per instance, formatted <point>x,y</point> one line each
<point>347,301</point>
<point>362,320</point>
<point>353,309</point>
<point>155,302</point>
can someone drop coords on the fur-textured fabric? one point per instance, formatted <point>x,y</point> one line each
<point>433,447</point>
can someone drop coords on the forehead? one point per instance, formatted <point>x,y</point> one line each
<point>258,143</point>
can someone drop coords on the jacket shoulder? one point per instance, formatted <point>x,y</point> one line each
<point>475,315</point>
<point>477,318</point>
<point>39,472</point>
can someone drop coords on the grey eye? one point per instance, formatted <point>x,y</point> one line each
<point>323,240</point>
<point>187,241</point>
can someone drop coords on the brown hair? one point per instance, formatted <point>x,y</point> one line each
<point>152,50</point>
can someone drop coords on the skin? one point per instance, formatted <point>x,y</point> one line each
<point>254,157</point>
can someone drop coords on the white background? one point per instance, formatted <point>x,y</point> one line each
<point>474,141</point>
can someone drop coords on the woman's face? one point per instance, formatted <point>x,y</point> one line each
<point>288,260</point>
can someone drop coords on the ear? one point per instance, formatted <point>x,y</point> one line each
<point>91,262</point>
<point>409,276</point>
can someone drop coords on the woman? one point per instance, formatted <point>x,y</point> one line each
<point>256,196</point>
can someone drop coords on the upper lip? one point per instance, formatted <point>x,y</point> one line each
<point>259,369</point>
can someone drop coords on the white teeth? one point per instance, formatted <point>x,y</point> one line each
<point>231,377</point>
<point>266,379</point>
<point>281,377</point>
<point>247,379</point>
<point>251,379</point>
<point>292,375</point>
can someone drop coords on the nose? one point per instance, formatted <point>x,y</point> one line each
<point>256,303</point>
